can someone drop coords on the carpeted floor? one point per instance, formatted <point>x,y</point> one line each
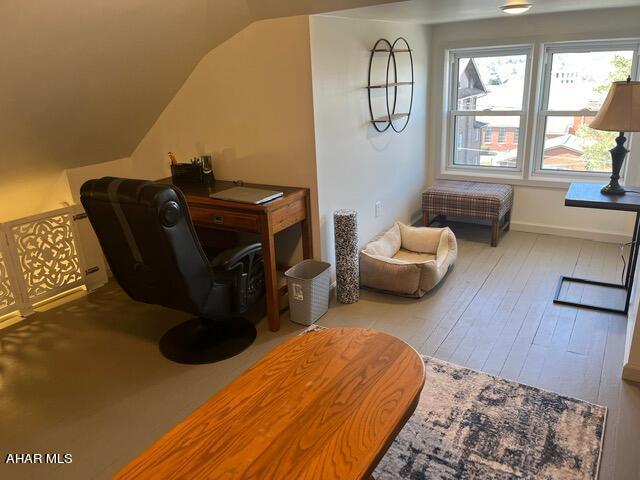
<point>470,425</point>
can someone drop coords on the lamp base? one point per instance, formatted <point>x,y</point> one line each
<point>612,189</point>
<point>617,159</point>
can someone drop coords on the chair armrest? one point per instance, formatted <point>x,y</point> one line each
<point>245,267</point>
<point>229,259</point>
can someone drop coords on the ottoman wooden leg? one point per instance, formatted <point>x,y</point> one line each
<point>508,221</point>
<point>495,232</point>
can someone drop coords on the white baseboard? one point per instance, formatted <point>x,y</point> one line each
<point>597,235</point>
<point>631,372</point>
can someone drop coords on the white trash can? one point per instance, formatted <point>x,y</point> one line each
<point>308,285</point>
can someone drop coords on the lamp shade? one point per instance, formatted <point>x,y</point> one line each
<point>621,109</point>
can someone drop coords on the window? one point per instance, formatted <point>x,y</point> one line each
<point>487,135</point>
<point>502,135</point>
<point>577,77</point>
<point>487,108</point>
<point>488,91</point>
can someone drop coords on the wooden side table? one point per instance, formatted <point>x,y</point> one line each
<point>325,404</point>
<point>587,195</point>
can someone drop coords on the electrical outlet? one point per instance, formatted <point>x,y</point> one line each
<point>378,209</point>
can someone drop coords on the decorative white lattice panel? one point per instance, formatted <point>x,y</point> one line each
<point>47,254</point>
<point>7,297</point>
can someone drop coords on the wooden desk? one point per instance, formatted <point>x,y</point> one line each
<point>266,220</point>
<point>587,195</point>
<point>324,405</point>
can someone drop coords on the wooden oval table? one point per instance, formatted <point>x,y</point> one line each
<point>324,405</point>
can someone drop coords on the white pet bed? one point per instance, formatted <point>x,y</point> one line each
<point>408,260</point>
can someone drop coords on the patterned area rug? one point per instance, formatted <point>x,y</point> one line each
<point>470,425</point>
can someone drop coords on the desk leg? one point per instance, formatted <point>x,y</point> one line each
<point>307,236</point>
<point>270,275</point>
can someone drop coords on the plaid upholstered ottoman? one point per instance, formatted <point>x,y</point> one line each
<point>483,201</point>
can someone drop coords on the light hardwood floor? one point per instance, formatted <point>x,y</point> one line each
<point>86,377</point>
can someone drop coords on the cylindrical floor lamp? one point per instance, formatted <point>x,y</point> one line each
<point>345,226</point>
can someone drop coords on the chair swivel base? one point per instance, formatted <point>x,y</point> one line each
<point>199,341</point>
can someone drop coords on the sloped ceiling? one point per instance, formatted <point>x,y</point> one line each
<point>82,81</point>
<point>261,9</point>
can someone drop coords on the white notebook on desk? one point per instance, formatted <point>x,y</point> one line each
<point>247,195</point>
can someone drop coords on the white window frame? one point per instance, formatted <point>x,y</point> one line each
<point>452,112</point>
<point>542,111</point>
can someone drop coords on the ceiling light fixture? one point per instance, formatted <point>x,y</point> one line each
<point>516,8</point>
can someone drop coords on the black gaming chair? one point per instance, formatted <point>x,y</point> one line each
<point>146,234</point>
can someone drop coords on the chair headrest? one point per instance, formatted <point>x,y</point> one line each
<point>124,190</point>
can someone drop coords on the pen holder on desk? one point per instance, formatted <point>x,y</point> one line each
<point>189,173</point>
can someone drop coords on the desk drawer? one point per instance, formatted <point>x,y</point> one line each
<point>213,217</point>
<point>288,215</point>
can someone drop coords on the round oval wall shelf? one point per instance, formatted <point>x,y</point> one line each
<point>383,120</point>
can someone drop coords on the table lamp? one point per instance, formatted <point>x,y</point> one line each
<point>619,113</point>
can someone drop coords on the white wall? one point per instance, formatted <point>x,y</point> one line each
<point>356,165</point>
<point>249,103</point>
<point>631,369</point>
<point>114,168</point>
<point>37,191</point>
<point>538,209</point>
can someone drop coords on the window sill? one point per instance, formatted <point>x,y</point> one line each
<point>566,178</point>
<point>481,172</point>
<point>560,182</point>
